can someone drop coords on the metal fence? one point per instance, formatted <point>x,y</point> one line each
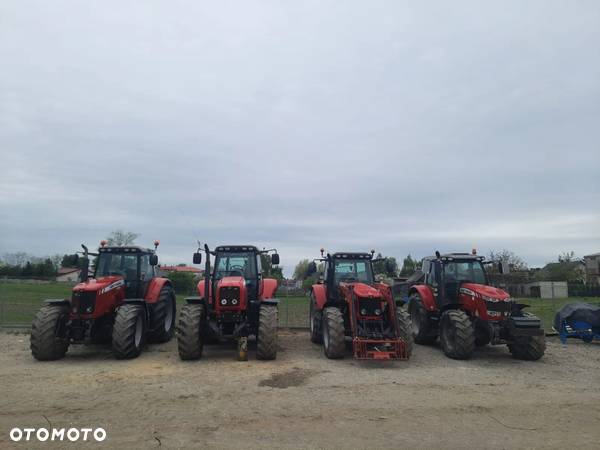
<point>20,299</point>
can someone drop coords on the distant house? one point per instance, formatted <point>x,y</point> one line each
<point>592,268</point>
<point>68,274</point>
<point>544,289</point>
<point>185,269</point>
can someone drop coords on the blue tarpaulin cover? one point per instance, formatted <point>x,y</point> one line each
<point>578,312</point>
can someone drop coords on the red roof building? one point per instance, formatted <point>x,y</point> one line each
<point>187,269</point>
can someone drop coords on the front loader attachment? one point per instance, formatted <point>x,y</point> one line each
<point>379,349</point>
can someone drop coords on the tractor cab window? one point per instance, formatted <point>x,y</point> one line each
<point>352,270</point>
<point>146,270</point>
<point>461,271</point>
<point>235,265</point>
<point>124,265</point>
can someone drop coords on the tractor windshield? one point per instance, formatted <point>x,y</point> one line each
<point>232,264</point>
<point>350,270</point>
<point>465,271</point>
<point>125,265</point>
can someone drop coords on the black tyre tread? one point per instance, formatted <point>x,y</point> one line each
<point>464,343</point>
<point>166,299</point>
<point>426,335</point>
<point>405,329</point>
<point>529,348</point>
<point>334,321</point>
<point>44,344</point>
<point>123,335</point>
<point>266,340</point>
<point>189,333</point>
<point>316,334</point>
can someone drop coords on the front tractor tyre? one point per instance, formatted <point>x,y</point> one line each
<point>189,332</point>
<point>266,340</point>
<point>422,331</point>
<point>405,330</point>
<point>163,316</point>
<point>48,340</point>
<point>528,348</point>
<point>334,339</point>
<point>316,322</point>
<point>457,334</point>
<point>129,331</point>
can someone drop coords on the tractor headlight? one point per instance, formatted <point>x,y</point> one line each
<point>234,301</point>
<point>377,312</point>
<point>223,301</point>
<point>363,312</point>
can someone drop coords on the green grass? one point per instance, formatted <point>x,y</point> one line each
<point>20,301</point>
<point>546,308</point>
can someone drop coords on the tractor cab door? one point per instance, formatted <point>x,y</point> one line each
<point>434,279</point>
<point>147,273</point>
<point>130,270</point>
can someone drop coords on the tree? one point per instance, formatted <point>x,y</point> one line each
<point>183,282</point>
<point>409,266</point>
<point>385,265</point>
<point>268,269</point>
<point>514,262</point>
<point>300,272</point>
<point>70,260</point>
<point>567,268</point>
<point>120,238</point>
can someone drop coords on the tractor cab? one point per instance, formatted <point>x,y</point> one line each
<point>238,261</point>
<point>135,265</point>
<point>447,273</point>
<point>347,268</point>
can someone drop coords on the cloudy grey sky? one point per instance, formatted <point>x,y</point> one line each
<point>400,126</point>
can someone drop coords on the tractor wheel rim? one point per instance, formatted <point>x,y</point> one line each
<point>139,329</point>
<point>169,316</point>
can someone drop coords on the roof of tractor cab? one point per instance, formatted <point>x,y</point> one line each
<point>236,248</point>
<point>453,256</point>
<point>352,255</point>
<point>125,249</point>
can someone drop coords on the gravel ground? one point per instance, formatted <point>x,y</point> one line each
<point>303,400</point>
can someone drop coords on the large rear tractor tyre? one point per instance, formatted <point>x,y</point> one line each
<point>528,348</point>
<point>422,331</point>
<point>48,339</point>
<point>129,331</point>
<point>457,334</point>
<point>334,339</point>
<point>405,330</point>
<point>266,340</point>
<point>316,322</point>
<point>189,332</point>
<point>163,316</point>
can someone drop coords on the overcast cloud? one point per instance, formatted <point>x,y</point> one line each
<point>403,127</point>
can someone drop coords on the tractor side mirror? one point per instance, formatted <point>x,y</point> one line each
<point>153,260</point>
<point>503,268</point>
<point>197,258</point>
<point>312,268</point>
<point>275,259</point>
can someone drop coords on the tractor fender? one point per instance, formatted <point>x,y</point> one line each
<point>319,292</point>
<point>200,287</point>
<point>57,301</point>
<point>426,295</point>
<point>156,285</point>
<point>194,300</point>
<point>269,287</point>
<point>270,301</point>
<point>386,291</point>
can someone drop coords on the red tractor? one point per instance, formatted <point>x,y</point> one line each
<point>235,301</point>
<point>452,298</point>
<point>124,302</point>
<point>348,302</point>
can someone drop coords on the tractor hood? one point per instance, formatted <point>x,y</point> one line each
<point>232,282</point>
<point>102,285</point>
<point>485,291</point>
<point>364,290</point>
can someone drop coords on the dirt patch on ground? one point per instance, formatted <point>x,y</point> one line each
<point>294,377</point>
<point>303,400</point>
